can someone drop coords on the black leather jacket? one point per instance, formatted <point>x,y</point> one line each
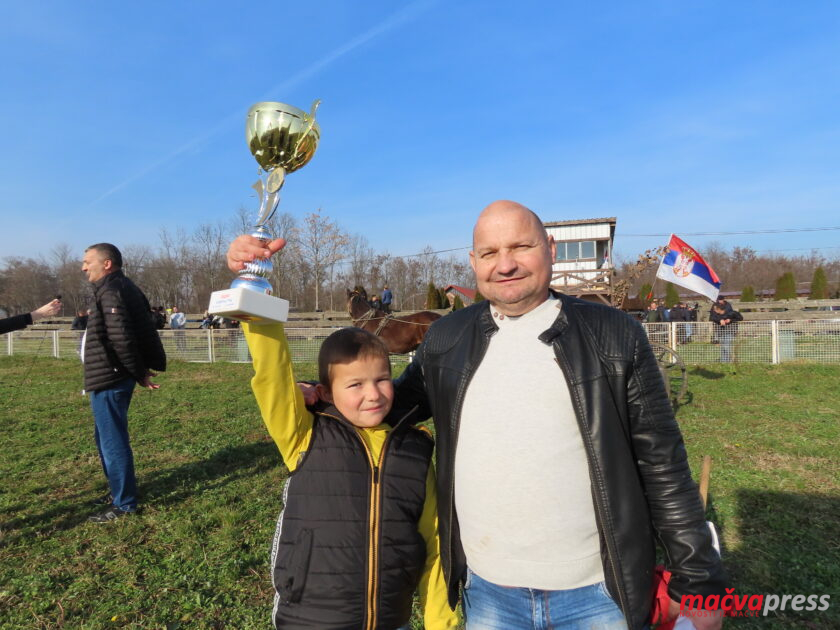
<point>641,484</point>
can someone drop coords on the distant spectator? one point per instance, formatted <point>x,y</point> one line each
<point>159,317</point>
<point>80,321</point>
<point>22,321</point>
<point>727,307</point>
<point>653,315</point>
<point>387,298</point>
<point>207,320</point>
<point>680,314</point>
<point>177,322</point>
<point>727,324</point>
<point>375,303</point>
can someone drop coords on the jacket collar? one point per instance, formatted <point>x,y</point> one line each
<point>107,278</point>
<point>561,323</point>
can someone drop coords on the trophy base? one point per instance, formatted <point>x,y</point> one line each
<point>248,306</point>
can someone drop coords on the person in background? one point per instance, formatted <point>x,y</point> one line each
<point>726,307</point>
<point>726,323</point>
<point>17,322</point>
<point>387,298</point>
<point>177,322</point>
<point>159,317</point>
<point>679,314</point>
<point>80,321</point>
<point>121,348</point>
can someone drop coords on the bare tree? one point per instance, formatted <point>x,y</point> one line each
<point>73,286</point>
<point>322,243</point>
<point>27,284</point>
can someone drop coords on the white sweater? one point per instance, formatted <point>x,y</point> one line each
<point>522,488</point>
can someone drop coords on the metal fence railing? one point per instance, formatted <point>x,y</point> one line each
<point>184,345</point>
<point>774,341</point>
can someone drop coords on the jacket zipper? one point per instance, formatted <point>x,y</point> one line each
<point>590,454</point>
<point>374,518</point>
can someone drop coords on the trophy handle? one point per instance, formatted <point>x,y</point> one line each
<point>269,194</point>
<point>310,119</point>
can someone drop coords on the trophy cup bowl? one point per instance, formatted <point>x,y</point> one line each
<point>282,139</point>
<point>280,135</point>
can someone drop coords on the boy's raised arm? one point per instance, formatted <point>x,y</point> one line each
<point>279,398</point>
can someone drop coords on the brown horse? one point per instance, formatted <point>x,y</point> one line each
<point>401,333</point>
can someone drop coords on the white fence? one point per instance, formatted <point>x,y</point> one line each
<point>816,341</point>
<point>775,341</point>
<point>195,345</point>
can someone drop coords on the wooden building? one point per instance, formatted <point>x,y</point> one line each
<point>583,266</point>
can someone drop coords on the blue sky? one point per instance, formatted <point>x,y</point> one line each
<point>680,117</point>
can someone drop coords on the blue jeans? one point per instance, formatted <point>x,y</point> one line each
<point>110,418</point>
<point>725,346</point>
<point>488,606</point>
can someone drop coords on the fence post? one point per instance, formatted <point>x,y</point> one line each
<point>774,341</point>
<point>9,346</point>
<point>672,336</point>
<point>210,350</point>
<point>55,344</point>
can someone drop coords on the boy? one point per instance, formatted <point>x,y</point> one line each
<point>358,530</point>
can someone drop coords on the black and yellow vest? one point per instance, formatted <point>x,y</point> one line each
<point>347,554</point>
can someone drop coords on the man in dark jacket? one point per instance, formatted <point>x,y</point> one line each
<point>121,348</point>
<point>725,321</point>
<point>558,457</point>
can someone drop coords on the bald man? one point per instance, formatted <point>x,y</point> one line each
<point>558,457</point>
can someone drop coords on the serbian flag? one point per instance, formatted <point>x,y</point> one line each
<point>682,265</point>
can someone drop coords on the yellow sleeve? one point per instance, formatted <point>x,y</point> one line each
<point>434,599</point>
<point>278,396</point>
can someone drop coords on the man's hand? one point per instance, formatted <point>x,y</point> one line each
<point>47,310</point>
<point>246,248</point>
<point>310,393</point>
<point>147,381</point>
<point>702,619</point>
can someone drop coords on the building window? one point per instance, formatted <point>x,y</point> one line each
<point>576,250</point>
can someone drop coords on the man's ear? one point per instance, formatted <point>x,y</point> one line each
<point>552,247</point>
<point>324,393</point>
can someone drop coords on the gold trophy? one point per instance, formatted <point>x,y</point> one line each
<point>282,139</point>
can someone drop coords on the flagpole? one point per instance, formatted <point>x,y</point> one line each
<point>650,295</point>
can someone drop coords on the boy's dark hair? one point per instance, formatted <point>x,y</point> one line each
<point>108,252</point>
<point>348,345</point>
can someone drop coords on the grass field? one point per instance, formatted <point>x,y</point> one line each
<point>196,557</point>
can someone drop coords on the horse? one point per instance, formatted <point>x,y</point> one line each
<point>401,334</point>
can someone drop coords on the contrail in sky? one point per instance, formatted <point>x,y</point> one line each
<point>397,19</point>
